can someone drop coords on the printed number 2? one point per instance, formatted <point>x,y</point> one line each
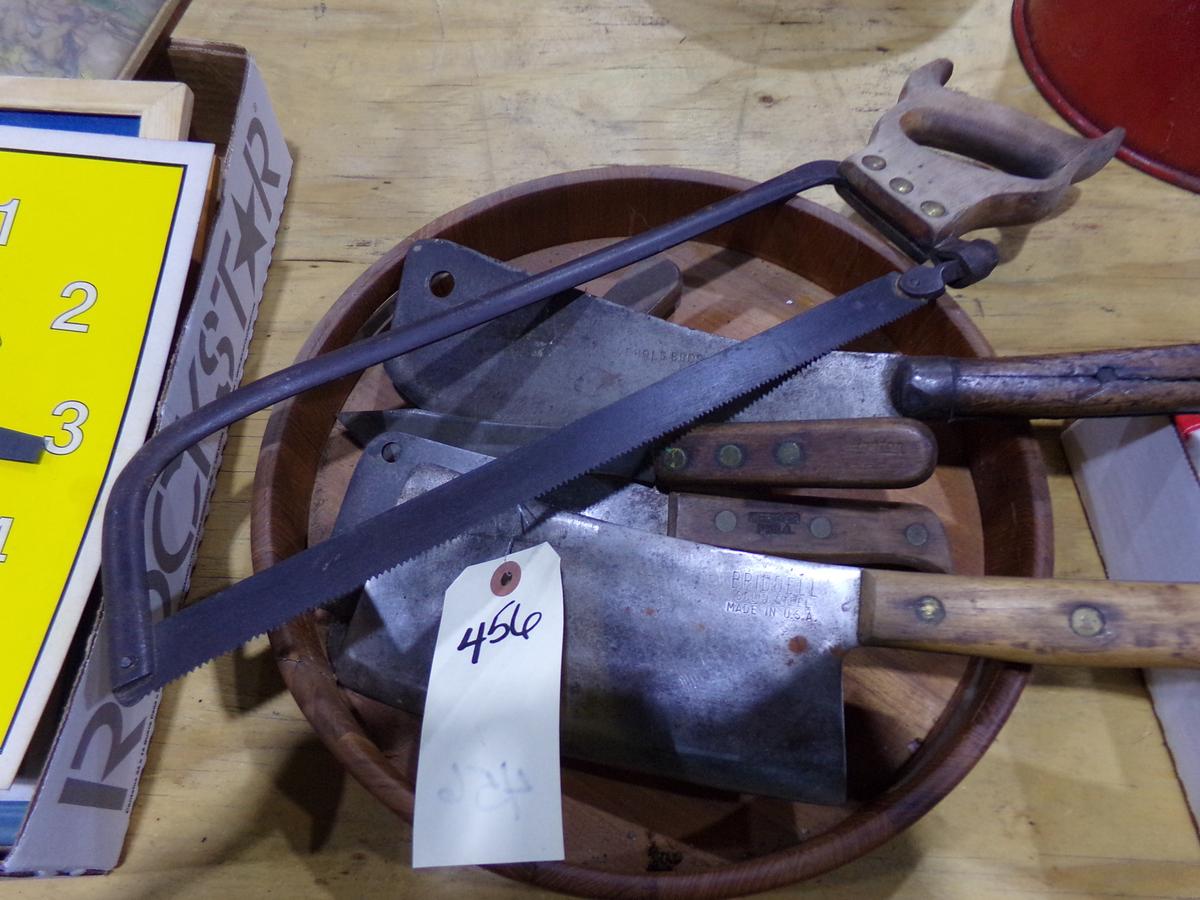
<point>8,214</point>
<point>66,322</point>
<point>74,428</point>
<point>6,523</point>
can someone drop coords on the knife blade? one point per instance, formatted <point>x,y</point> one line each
<point>859,453</point>
<point>566,362</point>
<point>723,667</point>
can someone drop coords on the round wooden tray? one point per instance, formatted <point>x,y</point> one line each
<point>916,723</point>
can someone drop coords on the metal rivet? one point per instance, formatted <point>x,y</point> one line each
<point>820,527</point>
<point>875,163</point>
<point>390,451</point>
<point>674,458</point>
<point>901,185</point>
<point>730,456</point>
<point>916,534</point>
<point>126,662</point>
<point>789,453</point>
<point>933,209</point>
<point>1087,621</point>
<point>930,610</point>
<point>725,520</point>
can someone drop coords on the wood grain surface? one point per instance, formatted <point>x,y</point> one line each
<point>398,112</point>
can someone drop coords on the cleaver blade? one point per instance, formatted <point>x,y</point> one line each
<point>657,676</point>
<point>554,362</point>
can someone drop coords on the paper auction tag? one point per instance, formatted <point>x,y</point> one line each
<point>488,772</point>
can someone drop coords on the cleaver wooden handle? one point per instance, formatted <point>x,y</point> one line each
<point>855,532</point>
<point>826,453</point>
<point>1137,381</point>
<point>1034,620</point>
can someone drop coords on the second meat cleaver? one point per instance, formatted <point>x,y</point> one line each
<point>723,667</point>
<point>557,361</point>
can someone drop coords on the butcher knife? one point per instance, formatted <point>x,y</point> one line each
<point>905,535</point>
<point>858,453</point>
<point>553,364</point>
<point>723,668</point>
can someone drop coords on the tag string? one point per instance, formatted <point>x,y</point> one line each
<point>525,526</point>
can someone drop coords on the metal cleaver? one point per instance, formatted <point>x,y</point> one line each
<point>551,364</point>
<point>722,667</point>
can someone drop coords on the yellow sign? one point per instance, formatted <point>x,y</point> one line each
<point>89,295</point>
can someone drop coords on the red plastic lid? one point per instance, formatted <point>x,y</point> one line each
<point>1103,63</point>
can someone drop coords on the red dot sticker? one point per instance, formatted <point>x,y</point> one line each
<point>506,578</point>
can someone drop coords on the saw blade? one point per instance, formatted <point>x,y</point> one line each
<point>334,568</point>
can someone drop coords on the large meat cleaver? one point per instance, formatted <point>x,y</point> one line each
<point>723,667</point>
<point>554,363</point>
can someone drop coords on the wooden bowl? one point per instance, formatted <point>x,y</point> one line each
<point>916,723</point>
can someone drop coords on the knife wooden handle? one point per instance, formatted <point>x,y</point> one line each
<point>832,531</point>
<point>829,453</point>
<point>1034,620</point>
<point>1136,381</point>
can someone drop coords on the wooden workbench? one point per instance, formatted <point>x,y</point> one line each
<point>398,112</point>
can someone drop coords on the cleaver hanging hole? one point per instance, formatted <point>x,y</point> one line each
<point>441,284</point>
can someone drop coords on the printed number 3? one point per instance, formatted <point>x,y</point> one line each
<point>73,428</point>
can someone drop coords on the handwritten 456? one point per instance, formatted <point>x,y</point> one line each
<point>498,630</point>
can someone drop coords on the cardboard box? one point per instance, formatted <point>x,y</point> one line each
<point>76,821</point>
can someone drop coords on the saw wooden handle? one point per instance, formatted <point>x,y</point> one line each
<point>1034,620</point>
<point>829,453</point>
<point>1137,381</point>
<point>854,532</point>
<point>932,196</point>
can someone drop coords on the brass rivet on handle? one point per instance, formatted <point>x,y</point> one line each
<point>725,520</point>
<point>820,527</point>
<point>674,458</point>
<point>916,534</point>
<point>789,453</point>
<point>901,185</point>
<point>933,209</point>
<point>875,163</point>
<point>1087,621</point>
<point>930,610</point>
<point>730,456</point>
